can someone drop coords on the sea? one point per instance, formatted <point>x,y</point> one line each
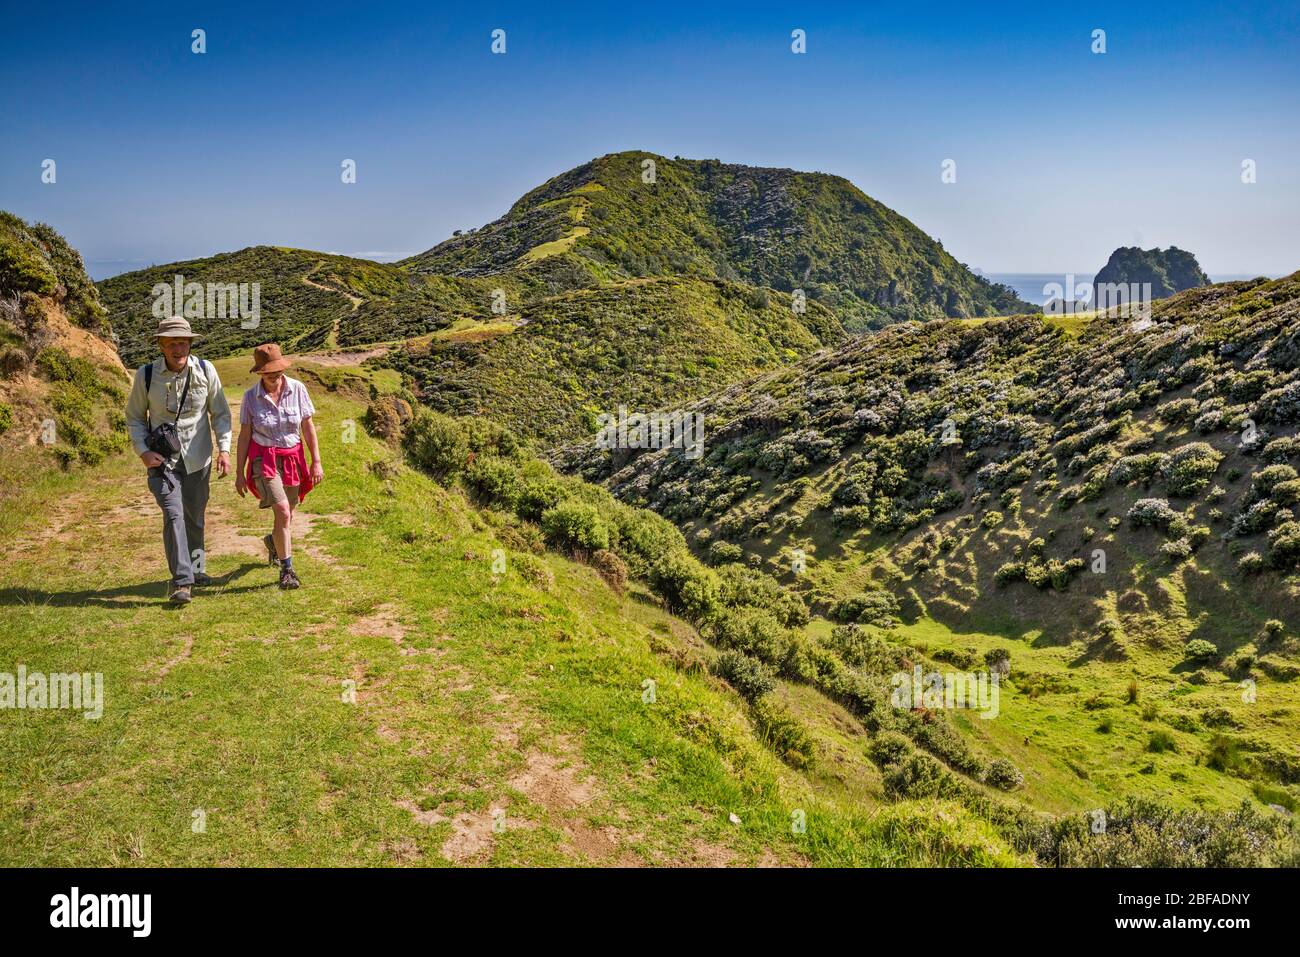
<point>1029,286</point>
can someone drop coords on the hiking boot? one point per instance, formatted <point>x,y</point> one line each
<point>288,579</point>
<point>269,542</point>
<point>180,595</point>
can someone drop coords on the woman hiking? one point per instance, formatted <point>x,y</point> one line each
<point>275,422</point>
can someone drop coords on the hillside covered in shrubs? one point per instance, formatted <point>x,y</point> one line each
<point>764,642</point>
<point>1172,444</point>
<point>1111,502</point>
<point>61,383</point>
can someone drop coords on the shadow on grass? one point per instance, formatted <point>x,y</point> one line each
<point>139,595</point>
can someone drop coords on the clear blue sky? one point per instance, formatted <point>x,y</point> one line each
<point>1061,154</point>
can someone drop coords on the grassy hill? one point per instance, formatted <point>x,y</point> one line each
<point>595,289</point>
<point>1110,501</point>
<point>499,718</point>
<point>550,369</point>
<point>61,383</point>
<point>636,214</point>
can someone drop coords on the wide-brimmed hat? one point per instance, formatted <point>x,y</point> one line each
<point>267,358</point>
<point>174,327</point>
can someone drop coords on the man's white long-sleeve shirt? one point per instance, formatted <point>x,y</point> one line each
<point>206,410</point>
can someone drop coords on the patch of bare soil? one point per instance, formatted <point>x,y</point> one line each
<point>472,833</point>
<point>381,623</point>
<point>333,359</point>
<point>187,646</point>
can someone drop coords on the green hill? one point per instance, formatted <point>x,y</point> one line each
<point>962,483</point>
<point>595,289</point>
<point>550,369</point>
<point>778,228</point>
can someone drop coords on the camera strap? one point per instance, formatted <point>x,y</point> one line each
<point>148,384</point>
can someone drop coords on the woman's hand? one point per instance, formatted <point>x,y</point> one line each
<point>317,473</point>
<point>241,484</point>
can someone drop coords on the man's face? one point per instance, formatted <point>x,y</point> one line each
<point>174,348</point>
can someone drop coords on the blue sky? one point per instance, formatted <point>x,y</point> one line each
<point>1061,154</point>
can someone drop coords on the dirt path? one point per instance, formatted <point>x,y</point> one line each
<point>355,300</point>
<point>332,340</point>
<point>340,358</point>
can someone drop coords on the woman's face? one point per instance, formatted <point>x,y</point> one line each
<point>271,381</point>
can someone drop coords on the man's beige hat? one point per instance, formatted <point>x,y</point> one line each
<point>175,327</point>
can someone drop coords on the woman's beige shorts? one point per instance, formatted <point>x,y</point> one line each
<point>273,491</point>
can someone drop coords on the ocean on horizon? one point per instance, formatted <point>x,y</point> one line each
<point>1029,285</point>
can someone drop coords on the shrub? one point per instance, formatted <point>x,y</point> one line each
<point>1004,775</point>
<point>576,525</point>
<point>721,552</point>
<point>534,570</point>
<point>685,584</point>
<point>778,729</point>
<point>1198,649</point>
<point>999,660</point>
<point>6,418</point>
<point>1267,479</point>
<point>1223,753</point>
<point>1189,468</point>
<point>1151,512</point>
<point>869,608</point>
<point>751,630</point>
<point>537,496</point>
<point>915,776</point>
<point>386,417</point>
<point>437,444</point>
<point>495,479</point>
<point>889,748</point>
<point>1010,572</point>
<point>1179,410</point>
<point>1287,493</point>
<point>1141,833</point>
<point>1255,519</point>
<point>645,538</point>
<point>750,677</point>
<point>1252,563</point>
<point>1137,468</point>
<point>611,568</point>
<point>1161,741</point>
<point>991,519</point>
<point>1284,546</point>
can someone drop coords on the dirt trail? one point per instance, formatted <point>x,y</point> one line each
<point>340,358</point>
<point>355,300</point>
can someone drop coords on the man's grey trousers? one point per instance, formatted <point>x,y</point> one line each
<point>183,498</point>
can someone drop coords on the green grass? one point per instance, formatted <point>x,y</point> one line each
<point>232,705</point>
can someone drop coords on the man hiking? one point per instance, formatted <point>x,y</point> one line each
<point>175,405</point>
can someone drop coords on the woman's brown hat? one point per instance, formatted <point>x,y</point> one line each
<point>267,358</point>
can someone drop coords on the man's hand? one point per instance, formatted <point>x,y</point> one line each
<point>223,465</point>
<point>151,459</point>
<point>317,473</point>
<point>241,484</point>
